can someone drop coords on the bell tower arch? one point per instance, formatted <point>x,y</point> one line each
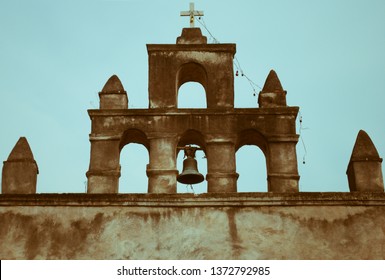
<point>191,59</point>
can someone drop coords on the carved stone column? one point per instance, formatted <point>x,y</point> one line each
<point>282,164</point>
<point>221,175</point>
<point>161,170</point>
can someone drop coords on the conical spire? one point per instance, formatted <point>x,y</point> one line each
<point>272,83</point>
<point>113,95</point>
<point>113,85</point>
<point>364,148</point>
<point>272,95</point>
<point>21,151</point>
<point>364,168</point>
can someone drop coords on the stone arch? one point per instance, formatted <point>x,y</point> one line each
<point>192,72</point>
<point>254,137</point>
<point>132,136</point>
<point>192,95</point>
<point>192,137</point>
<point>252,169</point>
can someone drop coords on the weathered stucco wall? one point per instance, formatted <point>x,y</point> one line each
<point>208,226</point>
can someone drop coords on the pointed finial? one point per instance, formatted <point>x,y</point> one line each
<point>113,85</point>
<point>364,148</point>
<point>364,168</point>
<point>21,151</point>
<point>272,95</point>
<point>272,83</point>
<point>113,95</point>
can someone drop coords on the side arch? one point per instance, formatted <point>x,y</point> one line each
<point>134,136</point>
<point>133,160</point>
<point>252,137</point>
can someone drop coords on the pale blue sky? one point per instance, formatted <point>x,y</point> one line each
<point>55,56</point>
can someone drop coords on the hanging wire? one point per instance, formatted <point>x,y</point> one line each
<point>202,22</point>
<point>237,65</point>
<point>251,82</point>
<point>301,128</point>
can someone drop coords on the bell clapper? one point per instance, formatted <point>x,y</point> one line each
<point>192,188</point>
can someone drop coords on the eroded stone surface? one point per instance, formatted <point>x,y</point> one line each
<point>244,226</point>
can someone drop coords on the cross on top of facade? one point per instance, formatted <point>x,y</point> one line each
<point>192,14</point>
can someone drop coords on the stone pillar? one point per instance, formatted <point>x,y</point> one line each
<point>20,170</point>
<point>221,175</point>
<point>282,164</point>
<point>364,168</point>
<point>161,170</point>
<point>104,171</point>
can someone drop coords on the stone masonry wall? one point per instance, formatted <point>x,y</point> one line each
<point>184,226</point>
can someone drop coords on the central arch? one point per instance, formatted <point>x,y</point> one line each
<point>194,138</point>
<point>192,72</point>
<point>192,95</point>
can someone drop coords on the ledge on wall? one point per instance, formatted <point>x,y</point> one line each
<point>201,200</point>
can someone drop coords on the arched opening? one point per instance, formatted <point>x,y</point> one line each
<point>195,139</point>
<point>252,161</point>
<point>191,86</point>
<point>251,167</point>
<point>133,161</point>
<point>192,95</point>
<point>134,157</point>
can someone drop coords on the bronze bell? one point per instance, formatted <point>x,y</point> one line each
<point>190,174</point>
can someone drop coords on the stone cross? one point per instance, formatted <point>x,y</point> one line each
<point>192,13</point>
